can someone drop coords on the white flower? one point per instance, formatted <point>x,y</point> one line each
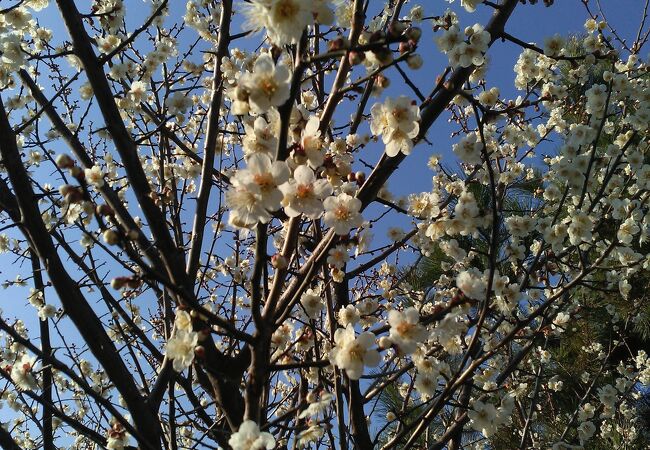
<point>426,384</point>
<point>586,430</point>
<point>21,373</point>
<point>117,437</point>
<point>312,303</point>
<point>183,320</point>
<point>138,91</point>
<point>349,316</point>
<point>471,285</point>
<point>311,434</point>
<point>450,39</point>
<point>628,229</point>
<point>396,120</point>
<point>338,256</point>
<point>46,312</point>
<point>249,437</point>
<point>304,194</point>
<point>261,136</point>
<point>342,213</point>
<point>95,176</point>
<point>482,418</point>
<point>353,353</point>
<point>405,330</point>
<point>317,406</point>
<point>180,348</point>
<point>580,228</point>
<point>285,20</point>
<point>312,143</point>
<point>255,193</point>
<point>178,103</point>
<point>470,5</point>
<point>267,85</point>
<point>553,45</point>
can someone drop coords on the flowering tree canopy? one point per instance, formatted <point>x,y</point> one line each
<point>194,206</point>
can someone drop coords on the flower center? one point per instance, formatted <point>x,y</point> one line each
<point>356,352</point>
<point>404,328</point>
<point>268,86</point>
<point>264,181</point>
<point>342,213</point>
<point>287,9</point>
<point>304,191</point>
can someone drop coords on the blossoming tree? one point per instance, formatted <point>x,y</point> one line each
<point>188,192</point>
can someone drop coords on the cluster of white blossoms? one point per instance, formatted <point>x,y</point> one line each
<point>396,120</point>
<point>22,373</point>
<point>487,418</point>
<point>465,49</point>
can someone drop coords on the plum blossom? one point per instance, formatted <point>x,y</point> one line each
<point>95,176</point>
<point>470,5</point>
<point>261,135</point>
<point>405,330</point>
<point>482,417</point>
<point>304,194</point>
<point>22,375</point>
<point>180,349</point>
<point>396,120</point>
<point>312,302</point>
<point>472,285</point>
<point>312,143</point>
<point>266,86</point>
<point>353,353</point>
<point>338,256</point>
<point>342,213</point>
<point>255,192</point>
<point>249,437</point>
<point>285,20</point>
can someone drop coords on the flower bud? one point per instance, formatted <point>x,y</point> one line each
<point>355,58</point>
<point>133,283</point>
<point>414,34</point>
<point>66,189</point>
<point>118,282</point>
<point>376,36</point>
<point>278,261</point>
<point>414,61</point>
<point>396,29</point>
<point>111,237</point>
<point>382,81</point>
<point>63,161</point>
<point>104,210</point>
<point>76,172</point>
<point>384,55</point>
<point>338,43</point>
